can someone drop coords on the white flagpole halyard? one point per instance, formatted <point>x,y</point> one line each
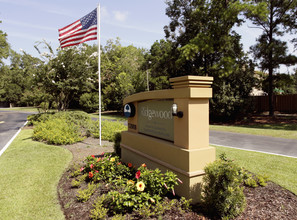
<point>99,68</point>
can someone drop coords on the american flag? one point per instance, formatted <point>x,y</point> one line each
<point>80,31</point>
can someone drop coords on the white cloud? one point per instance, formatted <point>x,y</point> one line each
<point>22,35</point>
<point>137,28</point>
<point>29,25</point>
<point>41,6</point>
<point>103,12</point>
<point>120,16</point>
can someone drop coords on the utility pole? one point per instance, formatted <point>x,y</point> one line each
<point>147,77</point>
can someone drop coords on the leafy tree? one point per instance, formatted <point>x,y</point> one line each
<point>11,82</point>
<point>4,51</point>
<point>283,84</point>
<point>18,79</point>
<point>69,74</point>
<point>269,50</point>
<point>122,73</point>
<point>204,43</point>
<point>89,102</point>
<point>4,46</point>
<point>159,64</point>
<point>295,81</point>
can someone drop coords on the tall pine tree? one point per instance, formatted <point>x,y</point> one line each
<point>270,50</point>
<point>204,43</point>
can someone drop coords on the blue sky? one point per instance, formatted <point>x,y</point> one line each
<point>137,22</point>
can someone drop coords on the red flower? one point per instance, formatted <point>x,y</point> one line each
<point>91,166</point>
<point>143,165</point>
<point>119,163</point>
<point>91,175</point>
<point>137,175</point>
<point>93,156</point>
<point>130,165</point>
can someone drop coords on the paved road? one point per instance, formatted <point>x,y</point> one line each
<point>10,123</point>
<point>281,146</point>
<point>287,147</point>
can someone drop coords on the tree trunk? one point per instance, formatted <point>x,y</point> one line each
<point>270,93</point>
<point>270,66</point>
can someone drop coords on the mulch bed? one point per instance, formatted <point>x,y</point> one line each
<point>270,202</point>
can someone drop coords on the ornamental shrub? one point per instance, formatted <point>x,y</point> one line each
<point>222,193</point>
<point>254,180</point>
<point>40,117</point>
<point>57,131</point>
<point>99,212</point>
<point>77,117</point>
<point>109,129</point>
<point>250,182</point>
<point>84,195</point>
<point>55,128</point>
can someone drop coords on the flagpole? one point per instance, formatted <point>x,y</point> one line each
<point>99,68</point>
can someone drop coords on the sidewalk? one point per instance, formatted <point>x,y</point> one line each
<point>272,145</point>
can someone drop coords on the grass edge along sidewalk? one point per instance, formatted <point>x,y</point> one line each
<point>280,170</point>
<point>30,172</point>
<point>29,175</point>
<point>278,130</point>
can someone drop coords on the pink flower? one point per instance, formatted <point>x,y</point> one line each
<point>91,166</point>
<point>137,175</point>
<point>96,171</point>
<point>99,158</point>
<point>81,169</point>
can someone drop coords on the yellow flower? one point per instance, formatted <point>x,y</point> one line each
<point>112,159</point>
<point>130,182</point>
<point>140,186</point>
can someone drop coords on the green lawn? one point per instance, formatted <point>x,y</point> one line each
<point>280,169</point>
<point>22,109</point>
<point>109,116</point>
<point>29,176</point>
<point>278,130</point>
<point>30,172</point>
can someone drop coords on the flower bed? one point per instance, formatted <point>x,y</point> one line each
<point>117,189</point>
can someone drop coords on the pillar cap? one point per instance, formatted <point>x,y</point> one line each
<point>191,81</point>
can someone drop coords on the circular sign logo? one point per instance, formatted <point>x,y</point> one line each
<point>129,110</point>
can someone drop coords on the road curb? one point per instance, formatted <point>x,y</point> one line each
<point>11,140</point>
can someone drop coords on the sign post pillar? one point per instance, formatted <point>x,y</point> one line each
<point>170,131</point>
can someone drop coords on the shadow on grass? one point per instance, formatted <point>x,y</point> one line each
<point>288,127</point>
